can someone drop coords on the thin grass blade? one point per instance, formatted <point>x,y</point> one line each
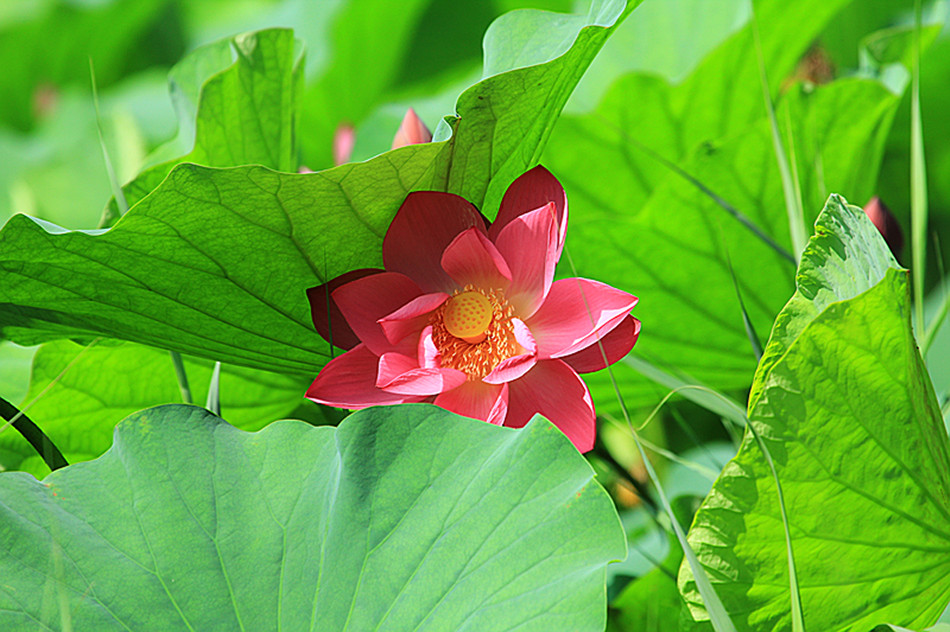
<point>214,391</point>
<point>793,204</point>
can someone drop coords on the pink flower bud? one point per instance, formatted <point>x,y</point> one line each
<point>886,224</point>
<point>412,131</point>
<point>343,141</point>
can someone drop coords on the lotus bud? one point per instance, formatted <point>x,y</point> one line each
<point>886,224</point>
<point>412,131</point>
<point>343,141</point>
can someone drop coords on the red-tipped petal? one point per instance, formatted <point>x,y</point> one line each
<point>529,244</point>
<point>532,190</point>
<point>617,343</point>
<point>427,222</point>
<point>326,313</point>
<point>412,131</point>
<point>478,400</point>
<point>515,367</point>
<point>401,374</point>
<point>364,301</point>
<point>472,258</point>
<point>554,390</point>
<point>349,381</point>
<point>575,313</point>
<point>412,317</point>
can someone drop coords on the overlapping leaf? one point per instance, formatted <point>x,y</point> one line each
<point>404,518</point>
<point>846,409</point>
<point>80,393</point>
<point>215,263</point>
<point>237,102</point>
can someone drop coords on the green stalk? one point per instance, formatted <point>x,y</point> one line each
<point>918,182</point>
<point>182,377</point>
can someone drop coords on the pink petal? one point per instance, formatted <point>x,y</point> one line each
<point>515,367</point>
<point>427,354</point>
<point>529,244</point>
<point>617,343</point>
<point>349,381</point>
<point>364,301</point>
<point>411,131</point>
<point>532,190</point>
<point>425,225</point>
<point>472,258</point>
<point>554,390</point>
<point>478,400</point>
<point>575,313</point>
<point>401,374</point>
<point>326,315</point>
<point>412,317</point>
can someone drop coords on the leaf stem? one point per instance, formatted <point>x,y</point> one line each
<point>32,433</point>
<point>182,377</point>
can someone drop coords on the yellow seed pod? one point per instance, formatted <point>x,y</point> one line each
<point>467,316</point>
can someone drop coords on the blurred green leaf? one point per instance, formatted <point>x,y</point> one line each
<point>355,51</point>
<point>673,250</point>
<point>80,393</point>
<point>49,44</point>
<point>245,111</point>
<point>14,371</point>
<point>56,171</point>
<point>668,39</point>
<point>844,404</point>
<point>404,518</point>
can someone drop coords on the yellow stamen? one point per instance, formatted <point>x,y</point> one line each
<point>473,331</point>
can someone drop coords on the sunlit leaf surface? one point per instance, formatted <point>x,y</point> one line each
<point>407,518</point>
<point>847,412</point>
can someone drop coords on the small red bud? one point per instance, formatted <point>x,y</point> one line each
<point>886,224</point>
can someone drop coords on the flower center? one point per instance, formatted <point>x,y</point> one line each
<point>473,331</point>
<point>467,316</point>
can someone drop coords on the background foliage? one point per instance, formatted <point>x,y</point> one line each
<point>651,115</point>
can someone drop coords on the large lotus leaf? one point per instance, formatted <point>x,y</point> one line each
<point>403,518</point>
<point>675,251</point>
<point>77,393</point>
<point>846,409</point>
<point>215,263</point>
<point>237,105</point>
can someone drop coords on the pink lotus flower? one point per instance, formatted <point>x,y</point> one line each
<point>468,316</point>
